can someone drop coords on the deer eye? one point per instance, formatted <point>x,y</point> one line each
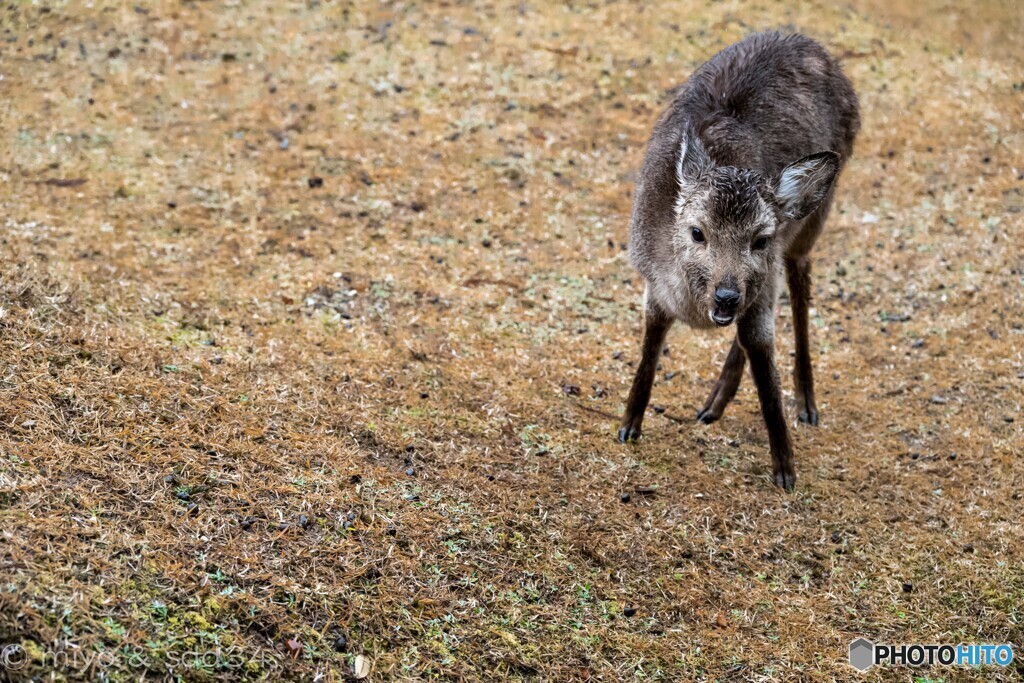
<point>759,244</point>
<point>697,234</point>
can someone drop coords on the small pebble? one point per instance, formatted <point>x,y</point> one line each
<point>411,471</point>
<point>836,538</point>
<point>304,521</point>
<point>629,611</point>
<point>424,394</point>
<point>391,531</point>
<point>625,497</point>
<point>908,588</point>
<point>341,643</point>
<point>182,495</point>
<point>486,243</point>
<point>316,181</point>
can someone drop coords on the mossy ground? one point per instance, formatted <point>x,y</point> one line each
<point>315,319</point>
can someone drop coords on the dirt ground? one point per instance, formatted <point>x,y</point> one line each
<point>315,321</point>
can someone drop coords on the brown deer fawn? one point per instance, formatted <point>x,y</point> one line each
<point>735,188</point>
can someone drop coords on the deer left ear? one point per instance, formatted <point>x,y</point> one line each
<point>802,185</point>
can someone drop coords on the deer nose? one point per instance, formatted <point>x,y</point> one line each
<point>727,299</point>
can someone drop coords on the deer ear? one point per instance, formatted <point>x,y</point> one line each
<point>692,158</point>
<point>803,184</point>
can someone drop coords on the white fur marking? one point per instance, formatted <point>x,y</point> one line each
<point>792,185</point>
<point>681,178</point>
<point>680,162</point>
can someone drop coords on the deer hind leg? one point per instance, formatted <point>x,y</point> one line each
<point>726,386</point>
<point>798,277</point>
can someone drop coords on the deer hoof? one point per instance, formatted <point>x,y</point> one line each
<point>629,434</point>
<point>809,417</point>
<point>785,478</point>
<point>707,416</point>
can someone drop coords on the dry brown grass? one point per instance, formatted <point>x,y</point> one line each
<point>273,414</point>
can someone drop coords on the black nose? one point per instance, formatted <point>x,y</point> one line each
<point>727,299</point>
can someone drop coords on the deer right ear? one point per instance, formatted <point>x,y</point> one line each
<point>803,184</point>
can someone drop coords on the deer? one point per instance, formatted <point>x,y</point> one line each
<point>734,190</point>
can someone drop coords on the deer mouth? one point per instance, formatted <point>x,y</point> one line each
<point>721,317</point>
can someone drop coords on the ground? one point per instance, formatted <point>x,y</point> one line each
<point>315,321</point>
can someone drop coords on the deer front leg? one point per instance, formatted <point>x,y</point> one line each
<point>656,326</point>
<point>757,335</point>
